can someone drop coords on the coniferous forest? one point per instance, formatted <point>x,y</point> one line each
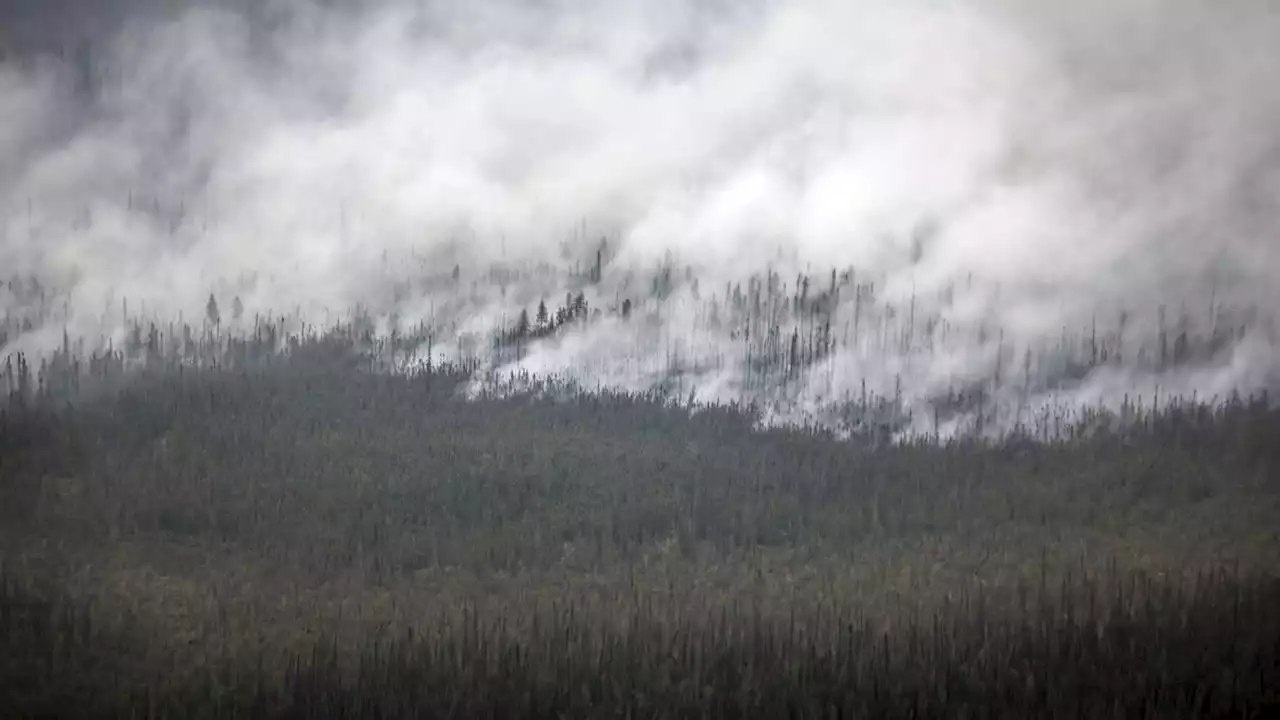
<point>641,360</point>
<point>284,520</point>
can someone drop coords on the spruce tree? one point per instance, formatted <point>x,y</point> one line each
<point>211,311</point>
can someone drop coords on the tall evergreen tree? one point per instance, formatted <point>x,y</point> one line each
<point>211,311</point>
<point>522,325</point>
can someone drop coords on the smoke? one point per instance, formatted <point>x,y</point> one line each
<point>1057,161</point>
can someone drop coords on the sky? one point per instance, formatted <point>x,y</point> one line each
<point>1066,159</point>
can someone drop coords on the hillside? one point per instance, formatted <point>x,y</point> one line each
<point>307,538</point>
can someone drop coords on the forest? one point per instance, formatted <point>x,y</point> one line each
<point>302,521</point>
<point>645,360</point>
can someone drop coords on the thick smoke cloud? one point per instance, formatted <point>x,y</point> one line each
<point>1058,160</point>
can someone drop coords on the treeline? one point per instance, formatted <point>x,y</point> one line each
<point>552,554</point>
<point>781,342</point>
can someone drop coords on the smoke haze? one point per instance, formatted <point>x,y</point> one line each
<point>1060,162</point>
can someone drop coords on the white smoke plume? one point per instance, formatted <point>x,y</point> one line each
<point>1044,167</point>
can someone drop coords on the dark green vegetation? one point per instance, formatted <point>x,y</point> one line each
<point>304,538</point>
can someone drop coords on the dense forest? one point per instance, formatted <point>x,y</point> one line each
<point>829,348</point>
<point>286,525</point>
<point>562,360</point>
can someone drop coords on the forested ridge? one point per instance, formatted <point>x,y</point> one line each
<point>509,359</point>
<point>305,537</point>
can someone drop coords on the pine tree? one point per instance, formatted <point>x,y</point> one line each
<point>522,326</point>
<point>211,311</point>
